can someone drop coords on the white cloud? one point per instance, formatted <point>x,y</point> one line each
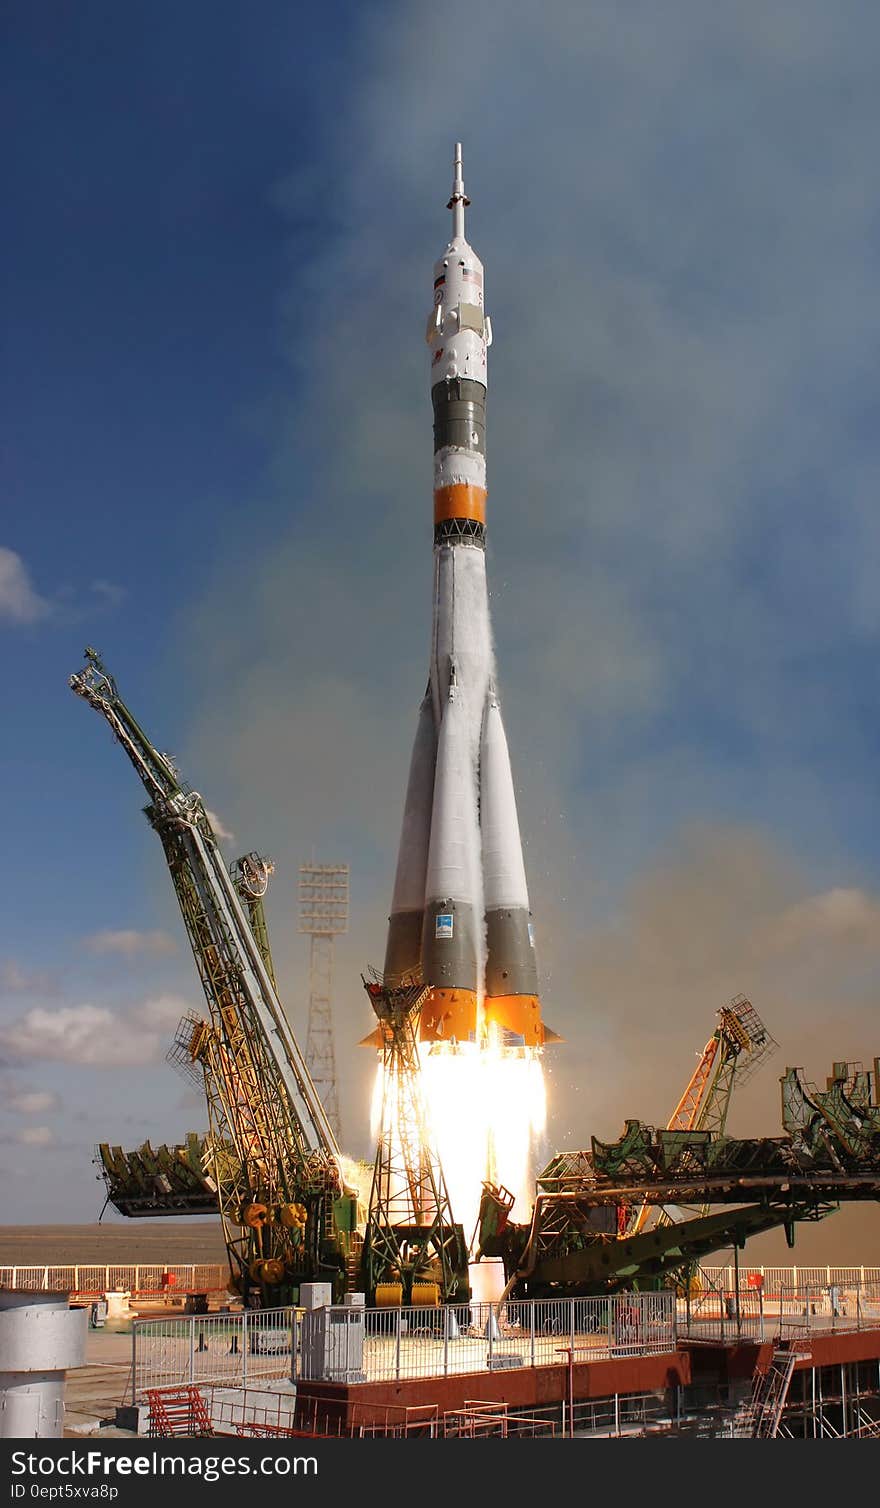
<point>93,1036</point>
<point>128,941</point>
<point>108,592</point>
<point>34,1136</point>
<point>160,1011</point>
<point>18,981</point>
<point>19,602</point>
<point>30,1101</point>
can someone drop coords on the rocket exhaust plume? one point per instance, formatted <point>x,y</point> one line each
<point>460,917</point>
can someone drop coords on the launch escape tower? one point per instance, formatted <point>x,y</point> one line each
<point>270,1151</point>
<point>323,916</point>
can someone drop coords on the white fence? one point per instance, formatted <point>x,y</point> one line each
<point>777,1278</point>
<point>408,1343</point>
<point>756,1314</point>
<point>88,1280</point>
<point>237,1350</point>
<point>853,1306</point>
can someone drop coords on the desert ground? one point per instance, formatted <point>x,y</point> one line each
<point>119,1241</point>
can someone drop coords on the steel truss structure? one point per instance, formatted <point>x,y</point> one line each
<point>413,1251</point>
<point>735,1051</point>
<point>270,1150</point>
<point>830,1154</point>
<point>323,916</point>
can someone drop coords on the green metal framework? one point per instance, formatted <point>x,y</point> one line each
<point>830,1155</point>
<point>158,1180</point>
<point>270,1150</point>
<point>738,1046</point>
<point>250,875</point>
<point>411,1237</point>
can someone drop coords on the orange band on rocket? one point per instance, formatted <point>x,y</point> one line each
<point>461,500</point>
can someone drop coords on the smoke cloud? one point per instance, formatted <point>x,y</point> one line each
<point>682,529</point>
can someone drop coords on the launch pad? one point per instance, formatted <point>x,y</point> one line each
<point>459,991</point>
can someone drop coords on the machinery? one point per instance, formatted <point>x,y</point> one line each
<point>736,1049</point>
<point>288,1215</point>
<point>413,1252</point>
<point>159,1180</point>
<point>829,1154</point>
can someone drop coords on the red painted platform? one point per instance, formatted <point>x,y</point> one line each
<point>337,1406</point>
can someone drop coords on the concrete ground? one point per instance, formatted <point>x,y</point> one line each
<point>93,1393</point>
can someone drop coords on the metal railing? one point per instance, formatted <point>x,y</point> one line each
<point>237,1350</point>
<point>777,1278</point>
<point>143,1279</point>
<point>829,1308</point>
<point>755,1314</point>
<point>409,1343</point>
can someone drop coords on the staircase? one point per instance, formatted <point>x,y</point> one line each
<point>762,1416</point>
<point>178,1411</point>
<point>353,1263</point>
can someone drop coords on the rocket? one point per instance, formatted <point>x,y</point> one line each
<point>460,917</point>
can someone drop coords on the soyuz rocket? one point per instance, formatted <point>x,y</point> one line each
<point>460,911</point>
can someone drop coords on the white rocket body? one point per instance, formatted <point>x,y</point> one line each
<point>460,910</point>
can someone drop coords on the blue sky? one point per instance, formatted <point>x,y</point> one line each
<point>220,228</point>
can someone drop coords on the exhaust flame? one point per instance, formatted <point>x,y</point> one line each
<point>487,1109</point>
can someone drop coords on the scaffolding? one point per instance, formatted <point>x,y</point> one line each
<point>413,1250</point>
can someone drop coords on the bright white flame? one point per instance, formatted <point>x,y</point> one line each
<point>486,1107</point>
<point>376,1101</point>
<point>517,1114</point>
<point>456,1108</point>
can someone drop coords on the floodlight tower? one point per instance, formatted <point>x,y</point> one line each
<point>323,915</point>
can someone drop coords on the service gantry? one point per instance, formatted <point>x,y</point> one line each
<point>286,1209</point>
<point>735,1051</point>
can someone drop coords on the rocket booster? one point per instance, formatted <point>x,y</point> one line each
<point>460,910</point>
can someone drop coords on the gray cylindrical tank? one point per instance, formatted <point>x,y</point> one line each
<point>40,1338</point>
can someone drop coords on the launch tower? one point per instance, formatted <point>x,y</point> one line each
<point>323,915</point>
